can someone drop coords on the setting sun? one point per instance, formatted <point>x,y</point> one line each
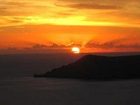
<point>52,26</point>
<point>76,50</point>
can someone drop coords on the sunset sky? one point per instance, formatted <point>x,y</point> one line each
<point>57,25</point>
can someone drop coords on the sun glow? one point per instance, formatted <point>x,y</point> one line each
<point>76,50</point>
<point>72,20</point>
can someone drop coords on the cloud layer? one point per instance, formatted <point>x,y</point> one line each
<point>101,24</point>
<point>117,44</point>
<point>78,12</point>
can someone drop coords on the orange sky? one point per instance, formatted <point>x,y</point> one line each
<point>57,25</point>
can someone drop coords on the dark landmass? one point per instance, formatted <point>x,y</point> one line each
<point>99,68</point>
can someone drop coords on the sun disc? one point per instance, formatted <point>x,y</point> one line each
<point>76,50</point>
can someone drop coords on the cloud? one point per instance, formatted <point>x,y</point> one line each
<point>52,45</point>
<point>8,50</point>
<point>47,46</point>
<point>11,49</point>
<point>21,8</point>
<point>9,8</point>
<point>77,12</point>
<point>43,48</point>
<point>119,43</point>
<point>93,6</point>
<point>39,46</point>
<point>96,4</point>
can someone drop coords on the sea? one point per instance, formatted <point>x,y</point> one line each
<point>19,87</point>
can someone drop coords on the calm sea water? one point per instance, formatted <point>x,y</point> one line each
<point>30,91</point>
<point>18,87</point>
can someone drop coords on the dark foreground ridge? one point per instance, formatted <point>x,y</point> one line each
<point>99,68</point>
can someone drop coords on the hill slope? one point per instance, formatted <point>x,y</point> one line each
<point>99,67</point>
